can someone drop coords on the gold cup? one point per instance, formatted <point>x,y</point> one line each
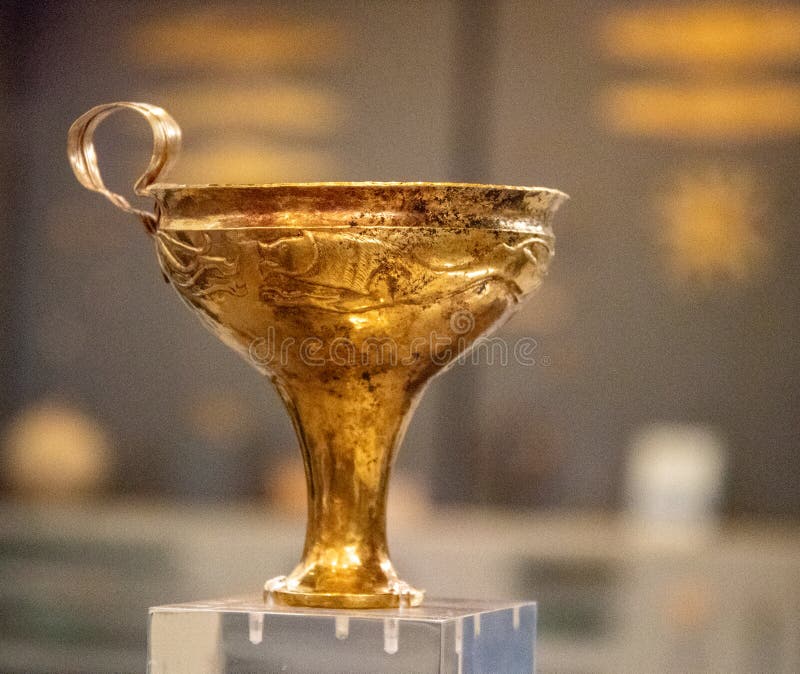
<point>350,297</point>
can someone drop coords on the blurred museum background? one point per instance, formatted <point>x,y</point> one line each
<point>641,479</point>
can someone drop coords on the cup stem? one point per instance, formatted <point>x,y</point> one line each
<point>348,431</point>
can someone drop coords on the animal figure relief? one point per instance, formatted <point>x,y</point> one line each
<point>356,272</point>
<point>187,262</point>
<point>511,265</point>
<point>326,269</point>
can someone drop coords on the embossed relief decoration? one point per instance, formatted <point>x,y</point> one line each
<point>187,259</point>
<point>350,271</point>
<point>360,271</point>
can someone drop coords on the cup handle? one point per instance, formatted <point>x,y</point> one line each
<point>83,159</point>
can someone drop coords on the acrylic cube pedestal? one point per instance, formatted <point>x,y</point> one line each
<point>246,635</point>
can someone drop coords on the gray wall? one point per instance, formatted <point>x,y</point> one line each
<point>493,92</point>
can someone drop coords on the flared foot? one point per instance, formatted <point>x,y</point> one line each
<point>399,594</point>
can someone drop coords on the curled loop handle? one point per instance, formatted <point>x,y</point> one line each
<point>82,156</point>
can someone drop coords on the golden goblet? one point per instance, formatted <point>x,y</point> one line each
<point>350,297</point>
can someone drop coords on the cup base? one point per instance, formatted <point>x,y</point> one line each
<point>277,590</point>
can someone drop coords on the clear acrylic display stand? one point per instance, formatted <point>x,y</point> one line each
<point>246,635</point>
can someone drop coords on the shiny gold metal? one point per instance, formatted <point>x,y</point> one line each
<point>350,297</point>
<point>82,157</point>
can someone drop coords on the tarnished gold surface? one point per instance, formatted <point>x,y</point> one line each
<point>350,297</point>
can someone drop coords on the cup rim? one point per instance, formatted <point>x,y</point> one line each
<point>164,187</point>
